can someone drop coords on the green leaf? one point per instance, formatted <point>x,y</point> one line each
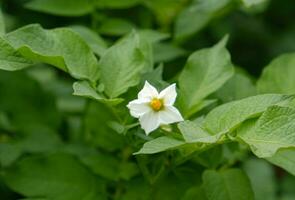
<point>160,144</point>
<point>59,47</point>
<point>196,192</point>
<point>229,116</point>
<point>275,129</point>
<point>83,88</point>
<point>284,158</point>
<point>115,27</point>
<point>116,4</point>
<point>57,176</point>
<point>10,59</point>
<point>2,23</point>
<point>205,71</point>
<point>262,178</point>
<point>230,184</point>
<point>94,41</point>
<point>122,65</point>
<point>194,133</point>
<point>238,87</point>
<point>62,7</point>
<point>153,36</point>
<point>278,76</point>
<point>195,17</point>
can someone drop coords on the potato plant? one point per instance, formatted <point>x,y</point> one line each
<point>147,100</point>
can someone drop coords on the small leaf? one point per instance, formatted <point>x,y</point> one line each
<point>62,7</point>
<point>192,133</point>
<point>227,117</point>
<point>122,65</point>
<point>83,88</point>
<point>230,184</point>
<point>278,76</point>
<point>275,129</point>
<point>205,71</point>
<point>159,144</point>
<point>115,27</point>
<point>195,17</point>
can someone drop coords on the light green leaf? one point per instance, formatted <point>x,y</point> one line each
<point>275,129</point>
<point>195,17</point>
<point>116,4</point>
<point>83,88</point>
<point>115,27</point>
<point>284,158</point>
<point>59,47</point>
<point>279,76</point>
<point>229,116</point>
<point>122,65</point>
<point>94,41</point>
<point>193,132</point>
<point>153,36</point>
<point>57,176</point>
<point>205,71</point>
<point>2,23</point>
<point>62,7</point>
<point>10,59</point>
<point>238,87</point>
<point>262,177</point>
<point>230,184</point>
<point>159,144</point>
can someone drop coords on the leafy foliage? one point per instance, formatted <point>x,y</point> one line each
<point>70,68</point>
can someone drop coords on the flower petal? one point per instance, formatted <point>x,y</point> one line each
<point>170,115</point>
<point>149,121</point>
<point>168,95</point>
<point>148,92</point>
<point>138,108</point>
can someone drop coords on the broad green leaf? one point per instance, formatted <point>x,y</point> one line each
<point>57,176</point>
<point>205,71</point>
<point>122,65</point>
<point>194,133</point>
<point>160,144</point>
<point>230,184</point>
<point>59,47</point>
<point>284,158</point>
<point>2,23</point>
<point>62,7</point>
<point>279,76</point>
<point>195,17</point>
<point>262,178</point>
<point>275,129</point>
<point>94,41</point>
<point>115,27</point>
<point>238,87</point>
<point>227,117</point>
<point>84,89</point>
<point>10,59</point>
<point>116,4</point>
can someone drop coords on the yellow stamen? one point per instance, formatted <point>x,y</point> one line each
<point>156,104</point>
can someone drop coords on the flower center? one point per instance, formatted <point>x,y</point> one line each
<point>156,104</point>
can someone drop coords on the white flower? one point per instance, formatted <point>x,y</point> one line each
<point>154,109</point>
